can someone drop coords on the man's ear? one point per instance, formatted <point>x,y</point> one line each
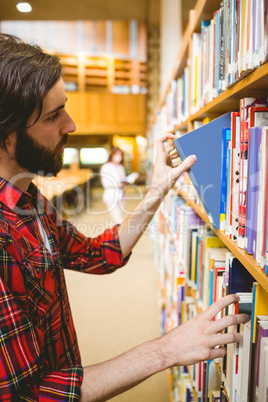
<point>10,143</point>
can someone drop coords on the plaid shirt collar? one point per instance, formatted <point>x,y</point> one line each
<point>13,197</point>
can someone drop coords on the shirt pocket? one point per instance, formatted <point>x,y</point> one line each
<point>39,270</point>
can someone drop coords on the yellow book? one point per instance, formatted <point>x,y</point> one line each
<point>207,120</point>
<point>259,307</point>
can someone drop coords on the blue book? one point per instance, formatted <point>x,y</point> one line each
<point>226,137</point>
<point>240,280</point>
<point>227,227</point>
<point>211,272</point>
<point>206,143</point>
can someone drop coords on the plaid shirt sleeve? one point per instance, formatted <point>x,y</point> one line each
<point>99,255</point>
<point>22,376</point>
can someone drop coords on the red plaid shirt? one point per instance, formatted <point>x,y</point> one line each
<point>39,354</point>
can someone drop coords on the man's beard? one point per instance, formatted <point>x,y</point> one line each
<point>37,158</point>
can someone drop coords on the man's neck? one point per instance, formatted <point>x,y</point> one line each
<point>16,175</point>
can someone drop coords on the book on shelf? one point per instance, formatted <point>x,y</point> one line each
<point>261,216</point>
<point>244,367</point>
<point>262,389</point>
<point>235,160</point>
<point>216,261</point>
<point>245,104</point>
<point>259,307</point>
<point>261,332</point>
<point>240,279</point>
<point>225,180</point>
<point>232,357</point>
<point>254,141</point>
<point>206,173</point>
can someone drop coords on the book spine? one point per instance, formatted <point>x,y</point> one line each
<point>223,178</point>
<point>227,228</point>
<point>221,54</point>
<point>254,137</point>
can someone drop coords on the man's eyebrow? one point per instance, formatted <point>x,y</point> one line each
<point>56,109</point>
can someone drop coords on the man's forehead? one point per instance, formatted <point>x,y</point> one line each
<point>55,97</point>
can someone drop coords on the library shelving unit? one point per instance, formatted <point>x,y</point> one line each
<point>252,84</point>
<point>101,73</point>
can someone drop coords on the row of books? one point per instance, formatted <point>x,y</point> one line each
<point>242,374</point>
<point>170,273</point>
<point>205,266</point>
<point>231,175</point>
<point>244,195</point>
<point>230,46</point>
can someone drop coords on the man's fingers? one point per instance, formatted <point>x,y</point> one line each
<point>174,154</point>
<point>217,353</point>
<point>161,148</point>
<point>224,339</point>
<point>185,165</point>
<point>167,136</point>
<point>220,305</point>
<point>229,320</point>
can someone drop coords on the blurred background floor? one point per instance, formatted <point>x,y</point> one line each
<point>114,313</point>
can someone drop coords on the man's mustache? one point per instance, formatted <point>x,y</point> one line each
<point>64,140</point>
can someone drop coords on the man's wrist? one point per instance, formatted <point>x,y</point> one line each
<point>156,192</point>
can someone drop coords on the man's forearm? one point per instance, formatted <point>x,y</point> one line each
<point>106,380</point>
<point>137,221</point>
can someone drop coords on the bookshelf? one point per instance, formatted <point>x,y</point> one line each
<point>252,82</point>
<point>102,74</point>
<point>247,260</point>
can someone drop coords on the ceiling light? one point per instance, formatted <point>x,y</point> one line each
<point>24,7</point>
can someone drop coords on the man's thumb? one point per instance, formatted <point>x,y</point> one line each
<point>188,163</point>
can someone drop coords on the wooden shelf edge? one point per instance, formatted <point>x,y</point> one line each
<point>246,259</point>
<point>256,75</point>
<point>246,82</point>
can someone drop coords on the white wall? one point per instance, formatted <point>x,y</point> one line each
<point>170,38</point>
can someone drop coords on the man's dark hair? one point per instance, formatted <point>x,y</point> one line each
<point>27,73</point>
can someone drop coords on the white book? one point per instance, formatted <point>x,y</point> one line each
<point>263,379</point>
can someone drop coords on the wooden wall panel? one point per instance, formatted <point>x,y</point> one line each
<point>142,40</point>
<point>121,37</point>
<point>107,113</point>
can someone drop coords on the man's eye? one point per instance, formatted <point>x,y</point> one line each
<point>53,116</point>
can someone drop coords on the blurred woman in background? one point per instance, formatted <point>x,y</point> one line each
<point>113,180</point>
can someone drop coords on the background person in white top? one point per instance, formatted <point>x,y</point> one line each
<point>113,180</point>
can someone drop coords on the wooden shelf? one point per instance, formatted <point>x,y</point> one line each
<point>246,259</point>
<point>102,74</point>
<point>254,84</point>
